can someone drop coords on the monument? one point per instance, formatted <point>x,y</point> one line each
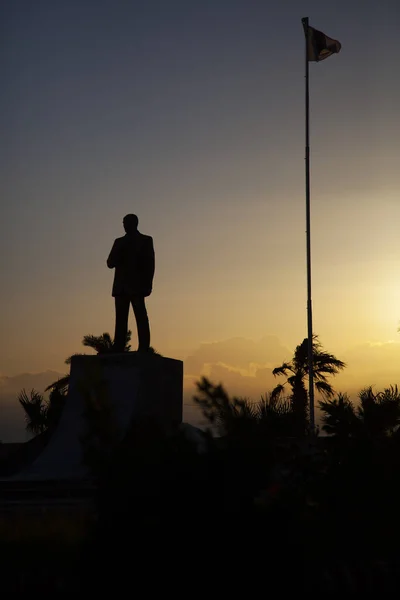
<point>130,385</point>
<point>139,385</point>
<point>132,257</point>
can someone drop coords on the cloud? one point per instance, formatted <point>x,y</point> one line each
<point>240,384</point>
<point>371,363</point>
<point>243,366</point>
<point>244,355</point>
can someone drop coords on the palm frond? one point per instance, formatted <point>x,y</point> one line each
<point>339,417</point>
<point>327,362</point>
<point>241,419</point>
<point>391,393</point>
<point>277,392</point>
<point>101,343</point>
<point>104,343</point>
<point>282,370</point>
<point>379,411</point>
<point>61,384</point>
<point>324,388</point>
<point>35,411</point>
<point>271,404</point>
<point>128,339</point>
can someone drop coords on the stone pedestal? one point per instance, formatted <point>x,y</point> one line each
<point>132,384</point>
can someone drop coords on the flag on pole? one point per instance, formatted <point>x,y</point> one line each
<point>319,45</point>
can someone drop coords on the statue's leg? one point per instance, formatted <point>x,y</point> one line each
<point>121,322</point>
<point>142,322</point>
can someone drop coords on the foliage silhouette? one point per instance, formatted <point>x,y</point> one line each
<point>235,417</point>
<point>376,416</point>
<point>380,412</point>
<point>35,409</point>
<point>104,343</point>
<point>41,414</point>
<point>296,371</point>
<point>339,417</point>
<point>305,496</point>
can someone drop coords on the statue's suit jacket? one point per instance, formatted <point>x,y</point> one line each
<point>133,258</point>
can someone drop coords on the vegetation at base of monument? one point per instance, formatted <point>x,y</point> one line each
<point>262,490</point>
<point>272,416</point>
<point>261,481</point>
<point>275,414</point>
<point>41,414</point>
<point>297,372</point>
<point>252,490</point>
<point>376,416</point>
<point>102,344</point>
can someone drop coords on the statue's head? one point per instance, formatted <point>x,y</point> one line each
<point>130,223</point>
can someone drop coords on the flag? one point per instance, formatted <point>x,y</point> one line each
<point>319,45</point>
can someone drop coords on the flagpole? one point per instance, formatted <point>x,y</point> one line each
<point>308,236</point>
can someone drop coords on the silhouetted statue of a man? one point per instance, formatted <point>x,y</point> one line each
<point>133,258</point>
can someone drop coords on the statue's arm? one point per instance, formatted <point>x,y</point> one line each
<point>152,260</point>
<point>112,259</point>
<point>148,266</point>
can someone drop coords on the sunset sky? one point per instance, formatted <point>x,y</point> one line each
<point>190,113</point>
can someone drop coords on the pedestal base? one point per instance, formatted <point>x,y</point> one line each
<point>133,384</point>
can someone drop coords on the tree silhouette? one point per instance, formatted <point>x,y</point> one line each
<point>376,416</point>
<point>339,417</point>
<point>104,343</point>
<point>296,371</point>
<point>35,411</point>
<point>235,417</point>
<point>41,414</point>
<point>380,411</point>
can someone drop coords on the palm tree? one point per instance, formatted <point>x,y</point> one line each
<point>339,417</point>
<point>41,414</point>
<point>239,416</point>
<point>376,416</point>
<point>35,411</point>
<point>380,411</point>
<point>296,371</point>
<point>102,344</point>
